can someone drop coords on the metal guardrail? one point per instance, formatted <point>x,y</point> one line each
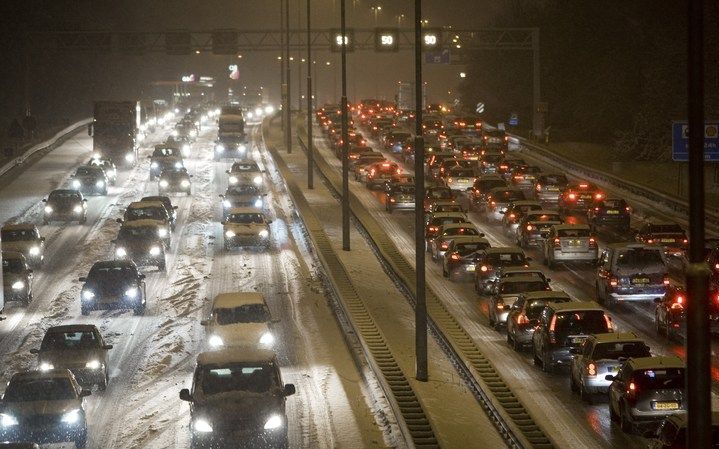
<point>50,144</point>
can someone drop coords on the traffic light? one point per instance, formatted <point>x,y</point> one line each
<point>224,42</point>
<point>431,38</point>
<point>349,40</point>
<point>386,40</point>
<point>178,42</point>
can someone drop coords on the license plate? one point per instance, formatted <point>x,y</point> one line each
<point>553,189</point>
<point>668,240</point>
<point>544,229</point>
<point>666,405</point>
<point>463,181</point>
<point>574,243</point>
<point>640,281</point>
<point>577,340</point>
<point>613,212</point>
<point>586,197</point>
<point>471,268</point>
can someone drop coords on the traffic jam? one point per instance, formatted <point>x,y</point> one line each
<point>501,221</point>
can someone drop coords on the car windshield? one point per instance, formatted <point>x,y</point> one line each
<point>639,257</point>
<point>659,379</point>
<point>49,389</point>
<point>615,350</point>
<point>460,231</point>
<point>69,340</point>
<point>12,265</point>
<point>440,194</point>
<point>87,171</point>
<point>246,218</point>
<point>543,217</point>
<point>64,196</point>
<point>16,235</point>
<point>666,229</point>
<point>468,248</point>
<point>448,208</point>
<point>137,232</point>
<point>112,274</point>
<point>238,167</point>
<point>581,322</point>
<point>554,180</point>
<point>535,306</point>
<point>243,189</point>
<point>152,213</point>
<point>521,287</point>
<point>244,377</point>
<point>614,204</point>
<point>575,233</point>
<point>249,313</point>
<point>506,259</point>
<point>165,151</point>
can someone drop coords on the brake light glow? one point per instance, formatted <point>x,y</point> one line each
<point>433,228</point>
<point>392,200</point>
<point>608,320</point>
<point>522,319</point>
<point>572,196</point>
<point>552,327</point>
<point>591,370</point>
<point>592,242</point>
<point>455,256</point>
<point>557,242</point>
<point>538,187</point>
<point>666,280</point>
<point>449,180</point>
<point>613,282</point>
<point>483,268</point>
<point>685,241</point>
<point>584,186</point>
<point>530,227</point>
<point>512,216</point>
<point>650,240</point>
<point>444,245</point>
<point>632,388</point>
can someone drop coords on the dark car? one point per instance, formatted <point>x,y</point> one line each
<point>108,166</point>
<point>17,277</point>
<point>495,138</point>
<point>90,179</point>
<point>672,433</point>
<point>489,160</point>
<point>230,147</point>
<point>65,205</point>
<point>459,259</point>
<point>506,292</point>
<point>160,162</point>
<point>165,200</point>
<point>437,193</point>
<point>612,213</point>
<point>524,315</point>
<point>175,180</point>
<point>490,260</point>
<point>669,236</point>
<point>535,226</point>
<point>114,284</point>
<point>631,272</point>
<point>670,312</point>
<point>482,187</point>
<point>499,199</point>
<point>563,327</point>
<point>242,195</point>
<point>514,213</point>
<point>140,242</point>
<point>579,196</point>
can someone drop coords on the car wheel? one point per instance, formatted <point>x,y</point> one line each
<point>491,320</point>
<point>547,366</point>
<point>624,422</point>
<point>102,386</point>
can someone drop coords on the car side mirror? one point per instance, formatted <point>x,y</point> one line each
<point>42,239</point>
<point>34,351</point>
<point>227,171</point>
<point>82,279</point>
<point>85,392</point>
<point>269,221</point>
<point>44,200</point>
<point>289,390</point>
<point>185,395</point>
<point>223,222</point>
<point>507,307</point>
<point>609,377</point>
<point>264,194</point>
<point>481,234</point>
<point>149,157</point>
<point>204,323</point>
<point>192,176</point>
<point>221,196</point>
<point>501,212</point>
<point>84,200</point>
<point>113,241</point>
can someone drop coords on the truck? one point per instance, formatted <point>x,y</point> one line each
<point>115,131</point>
<point>231,123</point>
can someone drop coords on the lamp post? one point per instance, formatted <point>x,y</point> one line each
<point>400,17</point>
<point>310,144</point>
<point>288,130</point>
<point>345,136</point>
<point>376,9</point>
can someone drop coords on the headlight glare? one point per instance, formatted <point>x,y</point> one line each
<point>219,148</point>
<point>93,364</point>
<point>258,203</point>
<point>131,292</point>
<point>154,165</point>
<point>76,183</point>
<point>202,426</point>
<point>267,339</point>
<point>226,204</point>
<point>233,179</point>
<point>44,366</point>
<point>264,233</point>
<point>162,232</point>
<point>88,295</point>
<point>274,422</point>
<point>129,157</point>
<point>100,184</point>
<point>71,417</point>
<point>185,183</point>
<point>257,180</point>
<point>18,285</point>
<point>48,209</point>
<point>164,183</point>
<point>229,234</point>
<point>155,251</point>
<point>7,420</point>
<point>215,341</point>
<point>121,252</point>
<point>35,251</point>
<point>77,209</point>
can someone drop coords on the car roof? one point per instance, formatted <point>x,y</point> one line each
<point>610,337</point>
<point>234,299</point>
<point>522,270</point>
<point>18,226</point>
<point>140,223</point>
<point>469,239</point>
<point>235,355</point>
<point>67,191</point>
<point>145,203</point>
<point>642,363</point>
<point>114,263</point>
<point>448,215</point>
<point>491,177</point>
<point>458,225</point>
<point>525,203</point>
<point>561,227</point>
<point>573,306</point>
<point>545,294</point>
<point>542,212</point>
<point>72,328</point>
<point>507,188</point>
<point>245,210</point>
<point>623,245</point>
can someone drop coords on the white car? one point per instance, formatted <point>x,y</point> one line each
<point>239,319</point>
<point>246,226</point>
<point>246,172</point>
<point>460,178</point>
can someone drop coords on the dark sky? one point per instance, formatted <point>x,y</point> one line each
<point>63,79</point>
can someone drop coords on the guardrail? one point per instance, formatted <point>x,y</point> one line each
<point>50,144</point>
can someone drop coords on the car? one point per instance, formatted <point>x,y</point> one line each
<point>570,243</point>
<point>245,226</point>
<point>44,407</point>
<point>435,193</point>
<point>489,160</point>
<point>470,151</point>
<point>246,172</point>
<point>499,198</point>
<point>647,390</point>
<point>359,166</point>
<point>113,284</point>
<point>495,138</point>
<point>153,211</point>
<point>225,386</point>
<point>489,261</point>
<point>448,164</point>
<point>175,180</point>
<point>393,140</point>
<point>514,213</point>
<point>482,187</point>
<point>65,205</point>
<point>354,152</point>
<point>579,196</point>
<point>459,258</point>
<point>672,433</point>
<point>548,187</point>
<point>24,238</point>
<point>460,179</point>
<point>379,172</point>
<point>401,179</point>
<point>400,197</point>
<point>434,160</point>
<point>523,316</point>
<point>524,176</point>
<point>505,293</point>
<point>108,167</point>
<point>79,348</point>
<point>670,236</point>
<point>165,200</point>
<point>434,220</point>
<point>239,319</point>
<point>507,165</point>
<point>230,147</point>
<point>599,355</point>
<point>445,206</point>
<point>670,312</point>
<point>17,278</point>
<point>164,156</point>
<point>525,271</point>
<point>535,226</point>
<point>90,179</point>
<point>242,195</point>
<point>611,213</point>
<point>564,326</point>
<point>139,241</point>
<point>631,272</point>
<point>439,244</point>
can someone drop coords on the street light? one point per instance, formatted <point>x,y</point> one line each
<point>345,136</point>
<point>400,17</point>
<point>376,9</point>
<point>462,75</point>
<point>310,143</point>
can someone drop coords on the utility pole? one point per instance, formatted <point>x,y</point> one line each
<point>283,86</point>
<point>698,380</point>
<point>345,136</point>
<point>288,130</point>
<point>310,143</point>
<point>420,309</point>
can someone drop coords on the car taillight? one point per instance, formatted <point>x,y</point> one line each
<point>613,281</point>
<point>519,177</point>
<point>512,216</point>
<point>591,370</point>
<point>522,319</point>
<point>449,179</point>
<point>552,326</point>
<point>530,227</point>
<point>484,268</point>
<point>685,241</point>
<point>632,389</point>
<point>433,228</point>
<point>650,240</point>
<point>678,302</point>
<point>444,245</point>
<point>455,256</point>
<point>494,203</point>
<point>608,321</point>
<point>596,209</point>
<point>665,281</point>
<point>538,187</point>
<point>572,196</point>
<point>557,242</point>
<point>592,242</point>
<point>500,305</point>
<point>392,200</point>
<point>599,196</point>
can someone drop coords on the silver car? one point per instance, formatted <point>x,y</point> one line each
<point>570,243</point>
<point>460,178</point>
<point>631,272</point>
<point>507,291</point>
<point>440,243</point>
<point>599,355</point>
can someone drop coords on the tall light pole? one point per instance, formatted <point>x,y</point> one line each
<point>310,143</point>
<point>345,136</point>
<point>376,9</point>
<point>288,130</point>
<point>420,309</point>
<point>281,58</point>
<point>400,17</point>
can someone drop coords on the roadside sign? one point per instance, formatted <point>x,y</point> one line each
<point>480,108</point>
<point>514,119</point>
<point>501,126</point>
<point>680,141</point>
<point>437,56</point>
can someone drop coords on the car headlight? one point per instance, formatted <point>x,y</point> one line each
<point>242,147</point>
<point>129,157</point>
<point>185,183</point>
<point>164,183</point>
<point>226,204</point>
<point>131,292</point>
<point>35,251</point>
<point>174,133</point>
<point>233,179</point>
<point>258,111</point>
<point>71,417</point>
<point>219,148</point>
<point>274,422</point>
<point>155,251</point>
<point>77,209</point>
<point>44,366</point>
<point>48,209</point>
<point>18,285</point>
<point>7,420</point>
<point>257,180</point>
<point>88,295</point>
<point>264,233</point>
<point>140,137</point>
<point>100,184</point>
<point>269,109</point>
<point>267,339</point>
<point>202,426</point>
<point>258,203</point>
<point>215,341</point>
<point>249,115</point>
<point>76,183</point>
<point>178,164</point>
<point>154,165</point>
<point>120,252</point>
<point>93,364</point>
<point>193,133</point>
<point>162,232</point>
<point>229,234</point>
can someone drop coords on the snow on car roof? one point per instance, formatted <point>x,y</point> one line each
<point>18,226</point>
<point>575,305</point>
<point>616,336</point>
<point>656,362</point>
<point>145,203</point>
<point>235,299</point>
<point>72,328</point>
<point>235,355</point>
<point>245,210</point>
<point>546,294</point>
<point>570,226</point>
